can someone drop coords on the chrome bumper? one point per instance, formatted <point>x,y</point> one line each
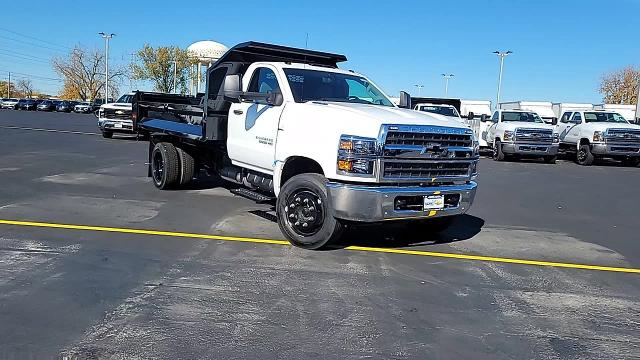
<point>532,149</point>
<point>365,203</point>
<point>110,124</point>
<point>616,149</point>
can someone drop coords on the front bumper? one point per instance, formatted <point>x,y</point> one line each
<point>366,203</point>
<point>531,149</point>
<point>115,125</point>
<point>609,149</point>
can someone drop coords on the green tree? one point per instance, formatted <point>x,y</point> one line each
<point>620,86</point>
<point>157,65</point>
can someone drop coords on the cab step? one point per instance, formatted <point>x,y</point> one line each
<point>252,195</point>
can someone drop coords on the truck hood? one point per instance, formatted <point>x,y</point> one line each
<point>512,125</point>
<point>602,126</point>
<point>369,118</point>
<point>122,106</point>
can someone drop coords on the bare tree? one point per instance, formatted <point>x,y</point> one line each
<point>83,74</point>
<point>164,66</point>
<point>620,86</point>
<point>25,86</point>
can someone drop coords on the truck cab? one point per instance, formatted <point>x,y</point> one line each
<point>592,134</point>
<point>522,133</point>
<point>325,144</point>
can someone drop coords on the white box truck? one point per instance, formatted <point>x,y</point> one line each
<point>477,107</point>
<point>560,108</point>
<point>627,111</point>
<point>544,109</point>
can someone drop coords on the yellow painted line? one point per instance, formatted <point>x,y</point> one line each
<point>352,248</point>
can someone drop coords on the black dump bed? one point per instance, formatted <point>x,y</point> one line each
<point>173,114</point>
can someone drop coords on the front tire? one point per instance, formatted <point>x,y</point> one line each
<point>631,161</point>
<point>165,166</point>
<point>498,155</point>
<point>584,156</point>
<point>107,134</point>
<point>551,159</point>
<point>305,215</point>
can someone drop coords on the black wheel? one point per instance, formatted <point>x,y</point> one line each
<point>584,156</point>
<point>305,216</point>
<point>165,166</point>
<point>107,134</point>
<point>631,161</point>
<point>551,159</point>
<point>187,167</point>
<point>433,225</point>
<point>498,155</point>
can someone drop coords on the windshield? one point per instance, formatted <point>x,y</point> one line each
<point>603,117</point>
<point>314,85</point>
<point>442,110</point>
<point>521,116</point>
<point>126,99</point>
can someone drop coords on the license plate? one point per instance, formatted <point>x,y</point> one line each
<point>119,126</point>
<point>434,202</point>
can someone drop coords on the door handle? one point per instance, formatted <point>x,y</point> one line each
<point>238,112</point>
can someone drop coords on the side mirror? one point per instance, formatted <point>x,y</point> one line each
<point>275,98</point>
<point>470,115</point>
<point>554,121</point>
<point>231,88</point>
<point>483,117</point>
<point>405,100</point>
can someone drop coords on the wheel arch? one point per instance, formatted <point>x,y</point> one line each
<point>292,166</point>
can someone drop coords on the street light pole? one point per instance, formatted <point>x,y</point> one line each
<point>419,86</point>
<point>446,83</point>
<point>502,55</point>
<point>106,38</point>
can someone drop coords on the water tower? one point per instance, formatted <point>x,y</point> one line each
<point>207,52</point>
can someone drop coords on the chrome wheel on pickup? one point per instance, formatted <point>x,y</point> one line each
<point>498,155</point>
<point>305,216</point>
<point>584,156</point>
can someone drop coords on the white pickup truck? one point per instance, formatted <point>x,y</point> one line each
<point>521,133</point>
<point>116,117</point>
<point>595,133</point>
<point>326,144</point>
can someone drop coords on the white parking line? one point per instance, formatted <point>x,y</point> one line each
<point>47,130</point>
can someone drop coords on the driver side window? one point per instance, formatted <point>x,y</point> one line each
<point>263,81</point>
<point>577,118</point>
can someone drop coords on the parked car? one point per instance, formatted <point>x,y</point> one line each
<point>598,134</point>
<point>46,105</point>
<point>65,106</point>
<point>522,133</point>
<point>10,103</point>
<point>29,104</point>
<point>84,107</point>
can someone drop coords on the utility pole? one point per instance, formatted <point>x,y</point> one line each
<point>9,86</point>
<point>502,55</point>
<point>446,83</point>
<point>106,38</point>
<point>419,86</point>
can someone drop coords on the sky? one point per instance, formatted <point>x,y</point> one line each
<point>560,48</point>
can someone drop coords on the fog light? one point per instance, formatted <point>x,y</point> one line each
<point>345,165</point>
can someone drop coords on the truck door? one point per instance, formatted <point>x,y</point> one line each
<point>253,126</point>
<point>490,135</point>
<point>572,134</point>
<point>564,124</point>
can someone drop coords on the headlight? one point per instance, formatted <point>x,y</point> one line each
<point>556,137</point>
<point>598,136</point>
<point>508,135</point>
<point>356,155</point>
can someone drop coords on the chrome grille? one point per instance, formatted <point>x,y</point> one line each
<point>117,114</point>
<point>538,136</point>
<point>623,136</point>
<point>427,154</point>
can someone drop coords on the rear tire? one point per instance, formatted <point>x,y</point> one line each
<point>551,159</point>
<point>304,200</point>
<point>584,156</point>
<point>107,134</point>
<point>187,167</point>
<point>165,165</point>
<point>498,155</point>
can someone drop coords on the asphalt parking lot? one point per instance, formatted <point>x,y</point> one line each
<point>546,265</point>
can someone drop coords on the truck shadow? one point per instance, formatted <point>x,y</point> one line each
<point>400,235</point>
